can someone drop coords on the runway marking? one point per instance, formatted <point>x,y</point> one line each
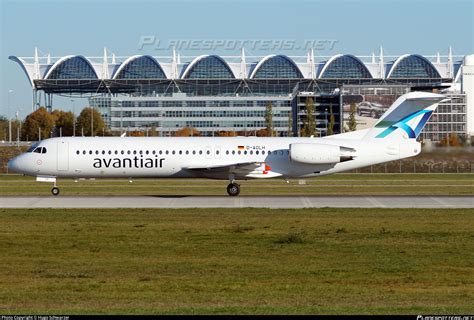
<point>439,201</point>
<point>375,202</point>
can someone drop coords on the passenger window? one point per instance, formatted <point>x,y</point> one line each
<point>122,152</point>
<point>128,152</point>
<point>256,152</point>
<point>187,152</point>
<point>200,151</point>
<point>161,152</point>
<point>227,152</point>
<point>77,152</point>
<point>217,151</point>
<point>245,152</point>
<point>233,151</point>
<point>194,151</point>
<point>84,152</point>
<point>134,151</point>
<point>180,152</point>
<point>97,152</point>
<point>239,152</point>
<point>208,152</point>
<point>103,151</point>
<point>173,152</point>
<point>166,151</point>
<point>263,152</point>
<point>251,152</point>
<point>110,151</point>
<point>116,151</point>
<point>147,152</point>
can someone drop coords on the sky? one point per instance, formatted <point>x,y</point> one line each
<point>150,27</point>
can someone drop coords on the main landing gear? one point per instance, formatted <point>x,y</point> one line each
<point>233,189</point>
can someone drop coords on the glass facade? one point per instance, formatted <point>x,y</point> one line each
<point>73,68</point>
<point>277,67</point>
<point>449,117</point>
<point>414,66</point>
<point>210,67</point>
<point>143,67</point>
<point>169,114</point>
<point>344,67</point>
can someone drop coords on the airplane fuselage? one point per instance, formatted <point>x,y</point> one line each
<point>177,157</point>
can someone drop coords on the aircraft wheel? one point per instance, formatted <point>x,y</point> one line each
<point>55,191</point>
<point>233,189</point>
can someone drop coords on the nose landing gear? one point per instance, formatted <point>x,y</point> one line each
<point>55,189</point>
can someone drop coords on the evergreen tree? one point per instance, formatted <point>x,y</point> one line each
<point>332,122</point>
<point>309,123</point>
<point>352,121</point>
<point>269,118</point>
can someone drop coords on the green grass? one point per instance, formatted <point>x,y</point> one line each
<point>338,184</point>
<point>241,261</point>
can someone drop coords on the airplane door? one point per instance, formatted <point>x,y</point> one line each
<point>63,156</point>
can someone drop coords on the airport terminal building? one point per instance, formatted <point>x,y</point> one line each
<point>232,93</point>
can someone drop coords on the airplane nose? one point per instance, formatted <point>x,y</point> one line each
<point>12,165</point>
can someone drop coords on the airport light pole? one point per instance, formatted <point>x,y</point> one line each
<point>73,119</point>
<point>92,121</point>
<point>9,118</point>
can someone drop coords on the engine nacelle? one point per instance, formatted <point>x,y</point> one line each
<point>316,153</point>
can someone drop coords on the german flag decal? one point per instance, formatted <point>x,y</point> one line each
<point>241,147</point>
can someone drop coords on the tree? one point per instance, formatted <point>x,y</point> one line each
<point>264,133</point>
<point>352,121</point>
<point>40,120</point>
<point>309,123</point>
<point>269,118</point>
<point>84,122</point>
<point>65,121</point>
<point>188,132</point>
<point>332,122</point>
<point>290,123</point>
<point>226,134</point>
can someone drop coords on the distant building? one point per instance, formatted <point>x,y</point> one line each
<point>212,93</point>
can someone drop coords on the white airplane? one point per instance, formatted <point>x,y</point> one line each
<point>234,158</point>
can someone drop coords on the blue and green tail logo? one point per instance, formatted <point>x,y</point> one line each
<point>402,124</point>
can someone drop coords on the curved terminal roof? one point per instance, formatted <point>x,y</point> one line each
<point>140,67</point>
<point>271,67</point>
<point>412,66</point>
<point>71,67</point>
<point>274,67</point>
<point>344,66</point>
<point>208,67</point>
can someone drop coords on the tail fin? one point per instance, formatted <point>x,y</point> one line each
<point>406,117</point>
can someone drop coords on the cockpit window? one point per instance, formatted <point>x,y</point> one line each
<point>40,150</point>
<point>33,147</point>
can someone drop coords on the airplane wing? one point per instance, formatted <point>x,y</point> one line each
<point>238,169</point>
